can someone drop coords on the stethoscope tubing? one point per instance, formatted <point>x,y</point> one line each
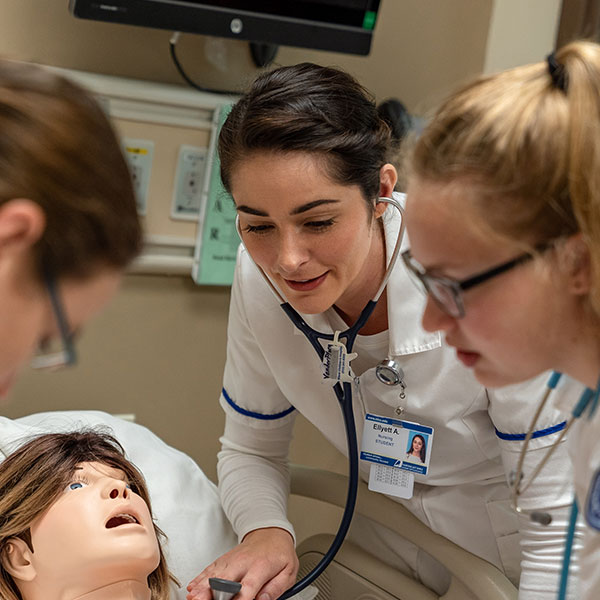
<point>352,493</point>
<point>343,392</point>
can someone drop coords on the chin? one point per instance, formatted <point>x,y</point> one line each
<point>494,379</point>
<point>310,306</point>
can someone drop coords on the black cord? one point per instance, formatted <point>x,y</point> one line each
<point>188,80</point>
<point>345,400</point>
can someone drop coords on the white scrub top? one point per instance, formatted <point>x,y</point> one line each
<point>272,372</point>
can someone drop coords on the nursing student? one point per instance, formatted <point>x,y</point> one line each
<point>504,220</point>
<point>305,157</point>
<point>68,220</point>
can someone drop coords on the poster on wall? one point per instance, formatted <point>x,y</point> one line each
<point>217,240</point>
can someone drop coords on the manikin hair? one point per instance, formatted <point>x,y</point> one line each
<point>528,142</point>
<point>33,477</point>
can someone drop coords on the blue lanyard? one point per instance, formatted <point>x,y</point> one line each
<point>589,398</point>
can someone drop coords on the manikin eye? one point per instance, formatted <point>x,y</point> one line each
<point>77,484</point>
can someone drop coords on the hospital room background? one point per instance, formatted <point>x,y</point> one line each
<point>157,354</point>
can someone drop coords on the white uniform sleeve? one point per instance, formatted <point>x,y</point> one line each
<point>254,477</point>
<point>511,410</point>
<point>253,463</point>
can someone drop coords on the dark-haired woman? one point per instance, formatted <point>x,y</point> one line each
<point>68,218</point>
<point>305,157</point>
<point>418,449</point>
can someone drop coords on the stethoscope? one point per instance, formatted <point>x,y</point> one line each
<point>335,357</point>
<point>588,399</point>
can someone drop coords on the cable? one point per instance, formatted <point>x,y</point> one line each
<point>344,397</point>
<point>172,43</point>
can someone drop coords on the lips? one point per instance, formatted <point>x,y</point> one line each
<point>120,519</point>
<point>305,285</point>
<point>467,358</point>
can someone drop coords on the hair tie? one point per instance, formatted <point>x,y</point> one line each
<point>557,72</point>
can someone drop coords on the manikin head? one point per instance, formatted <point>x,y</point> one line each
<point>76,523</point>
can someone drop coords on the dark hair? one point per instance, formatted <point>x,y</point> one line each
<point>309,108</point>
<point>32,477</point>
<point>58,149</point>
<point>423,452</point>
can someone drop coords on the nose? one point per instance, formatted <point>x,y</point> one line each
<point>292,252</point>
<point>435,319</point>
<point>115,489</point>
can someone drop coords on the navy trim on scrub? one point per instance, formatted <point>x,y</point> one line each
<point>255,415</point>
<point>519,437</point>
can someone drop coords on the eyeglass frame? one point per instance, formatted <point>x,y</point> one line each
<point>457,287</point>
<point>68,356</point>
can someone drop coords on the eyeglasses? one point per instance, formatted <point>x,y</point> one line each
<point>60,352</point>
<point>447,293</point>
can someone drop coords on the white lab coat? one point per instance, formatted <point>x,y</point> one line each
<point>272,369</point>
<point>584,449</point>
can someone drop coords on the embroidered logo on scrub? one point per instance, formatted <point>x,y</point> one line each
<point>592,506</point>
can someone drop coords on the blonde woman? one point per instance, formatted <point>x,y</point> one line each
<point>503,214</point>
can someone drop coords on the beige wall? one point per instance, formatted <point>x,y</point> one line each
<point>158,351</point>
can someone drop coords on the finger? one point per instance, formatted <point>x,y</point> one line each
<point>276,586</point>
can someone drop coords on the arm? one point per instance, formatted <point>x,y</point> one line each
<point>254,486</point>
<point>252,467</point>
<point>551,492</point>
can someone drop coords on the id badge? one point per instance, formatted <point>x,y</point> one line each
<point>399,444</point>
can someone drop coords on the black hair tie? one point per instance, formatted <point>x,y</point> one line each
<point>557,72</point>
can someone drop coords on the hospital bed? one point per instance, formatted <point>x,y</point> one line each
<point>186,507</point>
<point>357,575</point>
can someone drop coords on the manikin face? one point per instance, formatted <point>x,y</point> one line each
<point>27,318</point>
<point>517,324</point>
<point>316,239</point>
<point>97,533</point>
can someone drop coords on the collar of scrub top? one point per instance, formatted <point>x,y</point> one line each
<point>350,334</point>
<point>588,399</point>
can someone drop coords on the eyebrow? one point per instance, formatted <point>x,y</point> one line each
<point>297,211</point>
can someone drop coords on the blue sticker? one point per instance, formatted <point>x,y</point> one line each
<point>592,506</point>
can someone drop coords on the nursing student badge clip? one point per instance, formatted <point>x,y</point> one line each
<point>336,362</point>
<point>398,449</point>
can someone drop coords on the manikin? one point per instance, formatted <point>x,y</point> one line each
<point>76,523</point>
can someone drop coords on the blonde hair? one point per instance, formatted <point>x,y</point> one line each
<point>531,148</point>
<point>32,477</point>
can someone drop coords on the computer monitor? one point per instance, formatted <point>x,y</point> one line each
<point>334,25</point>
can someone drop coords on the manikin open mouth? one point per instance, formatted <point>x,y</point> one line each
<point>121,519</point>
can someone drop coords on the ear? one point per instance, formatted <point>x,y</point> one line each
<point>17,560</point>
<point>388,177</point>
<point>577,265</point>
<point>22,223</point>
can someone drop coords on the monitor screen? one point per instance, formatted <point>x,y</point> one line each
<point>335,25</point>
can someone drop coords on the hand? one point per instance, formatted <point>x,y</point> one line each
<point>265,563</point>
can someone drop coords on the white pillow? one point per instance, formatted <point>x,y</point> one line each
<point>185,502</point>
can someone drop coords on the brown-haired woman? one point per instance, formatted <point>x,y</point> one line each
<point>505,191</point>
<point>305,156</point>
<point>75,520</point>
<point>68,221</point>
